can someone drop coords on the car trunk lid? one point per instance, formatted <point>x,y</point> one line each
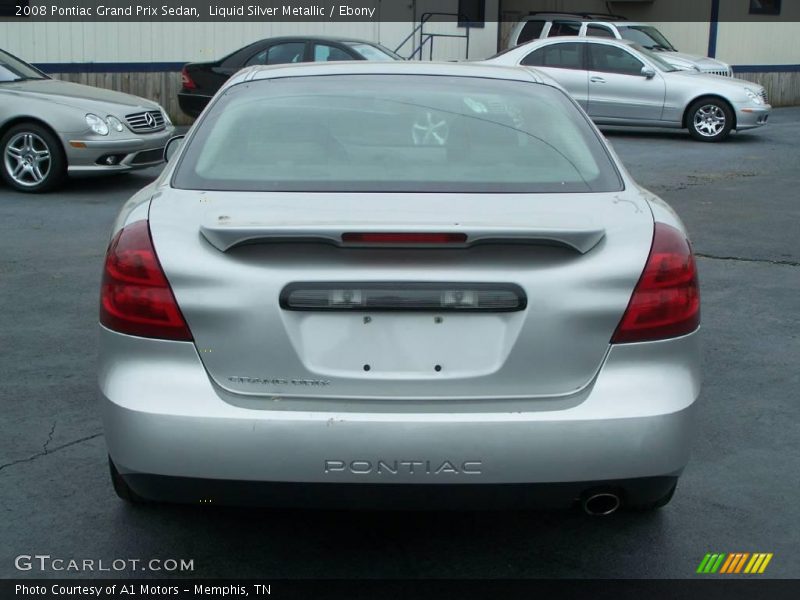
<point>575,258</point>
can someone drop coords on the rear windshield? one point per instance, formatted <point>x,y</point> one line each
<point>395,133</point>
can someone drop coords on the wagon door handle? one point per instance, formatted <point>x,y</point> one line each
<point>597,79</point>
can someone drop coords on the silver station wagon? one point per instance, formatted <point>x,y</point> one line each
<point>400,284</point>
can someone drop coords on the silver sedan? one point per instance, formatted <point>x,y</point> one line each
<point>51,128</point>
<point>415,283</point>
<point>619,82</point>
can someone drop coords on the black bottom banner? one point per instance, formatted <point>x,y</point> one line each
<point>376,589</point>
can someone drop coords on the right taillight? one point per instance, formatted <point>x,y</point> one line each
<point>135,296</point>
<point>187,81</point>
<point>666,301</point>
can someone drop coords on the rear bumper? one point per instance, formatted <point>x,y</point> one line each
<point>163,417</point>
<point>370,496</point>
<point>192,104</point>
<point>395,448</point>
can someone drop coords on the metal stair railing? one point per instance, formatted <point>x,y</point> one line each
<point>427,37</point>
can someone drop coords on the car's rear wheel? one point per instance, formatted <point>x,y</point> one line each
<point>710,120</point>
<point>121,488</point>
<point>33,159</point>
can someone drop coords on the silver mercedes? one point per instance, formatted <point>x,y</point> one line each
<point>50,129</point>
<point>619,82</point>
<point>406,284</point>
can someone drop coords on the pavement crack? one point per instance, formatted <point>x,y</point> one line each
<point>789,263</point>
<point>45,450</point>
<point>49,438</point>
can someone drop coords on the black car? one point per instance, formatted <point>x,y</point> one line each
<point>200,81</point>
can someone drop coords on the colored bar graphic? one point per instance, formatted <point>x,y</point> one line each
<point>702,567</point>
<point>734,563</point>
<point>726,567</point>
<point>754,563</point>
<point>711,563</point>
<point>737,556</point>
<point>764,564</point>
<point>740,564</point>
<point>717,563</point>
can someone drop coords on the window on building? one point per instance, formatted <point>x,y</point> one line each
<point>472,13</point>
<point>765,7</point>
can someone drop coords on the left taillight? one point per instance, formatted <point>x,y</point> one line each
<point>186,80</point>
<point>135,296</point>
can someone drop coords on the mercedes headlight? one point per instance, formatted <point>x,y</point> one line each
<point>97,124</point>
<point>167,120</point>
<point>754,96</point>
<point>114,123</point>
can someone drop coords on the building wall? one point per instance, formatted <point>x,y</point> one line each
<point>482,40</point>
<point>95,42</point>
<point>657,10</point>
<point>145,58</point>
<point>746,43</point>
<point>92,42</point>
<point>766,53</point>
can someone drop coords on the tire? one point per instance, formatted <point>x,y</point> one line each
<point>121,488</point>
<point>709,120</point>
<point>656,504</point>
<point>32,158</point>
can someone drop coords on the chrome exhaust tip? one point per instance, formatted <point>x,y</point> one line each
<point>601,503</point>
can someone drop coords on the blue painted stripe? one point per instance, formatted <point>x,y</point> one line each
<point>712,29</point>
<point>114,67</point>
<point>766,68</point>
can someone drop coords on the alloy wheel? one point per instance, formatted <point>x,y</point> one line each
<point>709,120</point>
<point>27,159</point>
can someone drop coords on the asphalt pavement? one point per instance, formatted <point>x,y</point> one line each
<point>741,203</point>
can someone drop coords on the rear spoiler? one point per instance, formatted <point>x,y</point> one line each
<point>226,234</point>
